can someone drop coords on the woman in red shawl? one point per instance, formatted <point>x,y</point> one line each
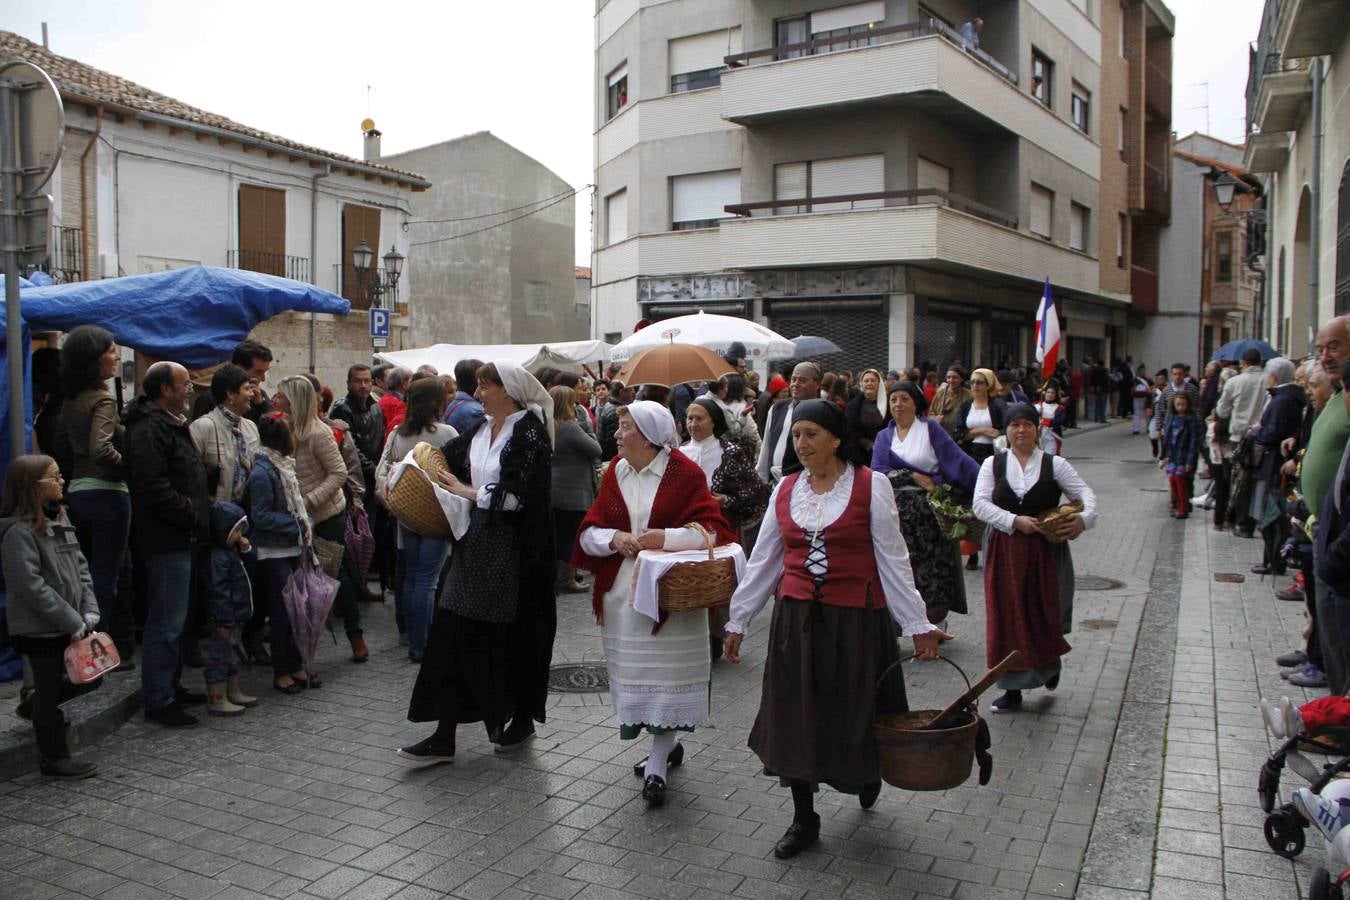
<point>659,672</point>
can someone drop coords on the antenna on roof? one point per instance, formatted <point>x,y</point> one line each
<point>1205,105</point>
<point>44,37</point>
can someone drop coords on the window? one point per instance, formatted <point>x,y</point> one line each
<point>1122,241</point>
<point>1223,257</point>
<point>616,217</point>
<point>1124,129</point>
<point>697,61</point>
<point>1080,107</point>
<point>1079,218</point>
<point>262,230</point>
<point>854,19</point>
<point>698,201</point>
<point>933,175</point>
<point>359,223</point>
<point>538,299</point>
<point>616,95</point>
<point>837,177</point>
<point>1042,77</point>
<point>1042,211</point>
<point>787,32</point>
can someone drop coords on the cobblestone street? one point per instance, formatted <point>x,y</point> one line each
<point>1137,775</point>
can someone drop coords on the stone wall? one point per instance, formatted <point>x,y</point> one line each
<point>338,343</point>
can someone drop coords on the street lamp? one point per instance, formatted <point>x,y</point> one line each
<point>1224,187</point>
<point>377,281</point>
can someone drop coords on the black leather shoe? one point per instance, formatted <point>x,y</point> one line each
<point>797,838</point>
<point>172,716</point>
<point>672,762</point>
<point>1052,682</point>
<point>184,697</point>
<point>1260,569</point>
<point>868,798</point>
<point>516,734</point>
<point>654,790</point>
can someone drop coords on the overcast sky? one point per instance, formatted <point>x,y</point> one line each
<point>437,70</point>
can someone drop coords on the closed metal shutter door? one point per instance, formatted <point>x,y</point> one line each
<point>939,339</point>
<point>859,327</point>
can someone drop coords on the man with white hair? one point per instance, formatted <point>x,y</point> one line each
<point>1281,419</point>
<point>1240,406</point>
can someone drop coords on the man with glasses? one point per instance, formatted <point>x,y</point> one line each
<point>170,506</point>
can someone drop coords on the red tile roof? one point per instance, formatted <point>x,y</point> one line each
<point>583,272</point>
<point>84,83</point>
<point>1235,171</point>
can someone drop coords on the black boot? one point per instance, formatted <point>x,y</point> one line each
<point>798,837</point>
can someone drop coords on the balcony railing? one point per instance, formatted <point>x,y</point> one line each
<point>1158,92</point>
<point>1144,289</point>
<point>294,267</point>
<point>870,38</point>
<point>874,200</point>
<point>356,289</point>
<point>1263,58</point>
<point>1157,190</point>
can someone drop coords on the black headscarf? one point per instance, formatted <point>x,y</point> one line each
<point>1017,412</point>
<point>714,411</point>
<point>828,416</point>
<point>909,387</point>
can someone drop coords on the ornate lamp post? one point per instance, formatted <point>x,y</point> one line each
<point>377,281</point>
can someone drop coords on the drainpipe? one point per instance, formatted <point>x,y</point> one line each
<point>84,192</point>
<point>1315,204</point>
<point>314,249</point>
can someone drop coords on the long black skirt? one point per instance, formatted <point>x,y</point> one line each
<point>816,713</point>
<point>934,558</point>
<point>470,672</point>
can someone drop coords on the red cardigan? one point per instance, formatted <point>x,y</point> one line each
<point>681,498</point>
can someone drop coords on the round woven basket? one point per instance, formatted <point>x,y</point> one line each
<point>412,499</point>
<point>698,585</point>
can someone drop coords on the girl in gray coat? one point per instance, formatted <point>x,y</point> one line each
<point>49,597</point>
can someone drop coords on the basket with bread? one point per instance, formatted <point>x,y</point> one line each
<point>1054,523</point>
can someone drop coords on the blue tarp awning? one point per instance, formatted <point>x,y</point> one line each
<point>192,316</point>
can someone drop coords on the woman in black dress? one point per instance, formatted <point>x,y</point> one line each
<point>491,641</point>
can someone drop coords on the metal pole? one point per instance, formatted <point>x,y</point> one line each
<point>9,241</point>
<point>1315,208</point>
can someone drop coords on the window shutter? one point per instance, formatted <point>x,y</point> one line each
<point>700,52</point>
<point>618,75</point>
<point>616,217</point>
<point>933,175</point>
<point>358,223</point>
<point>848,16</point>
<point>697,198</point>
<point>1042,202</point>
<point>789,181</point>
<point>1078,227</point>
<point>848,175</point>
<point>262,229</point>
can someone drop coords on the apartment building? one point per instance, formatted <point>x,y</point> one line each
<point>1298,116</point>
<point>869,173</point>
<point>1210,284</point>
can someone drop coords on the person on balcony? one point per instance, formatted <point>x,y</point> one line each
<point>970,32</point>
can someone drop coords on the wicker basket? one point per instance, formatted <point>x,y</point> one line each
<point>412,499</point>
<point>698,585</point>
<point>1059,516</point>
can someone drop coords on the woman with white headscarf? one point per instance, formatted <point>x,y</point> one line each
<point>659,672</point>
<point>491,641</point>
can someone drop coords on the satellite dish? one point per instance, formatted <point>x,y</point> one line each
<point>367,124</point>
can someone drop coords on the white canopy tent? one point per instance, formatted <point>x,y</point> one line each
<point>568,355</point>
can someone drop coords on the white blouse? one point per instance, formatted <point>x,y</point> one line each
<point>485,460</point>
<point>1022,479</point>
<point>815,512</point>
<point>639,493</point>
<point>980,418</point>
<point>707,453</point>
<point>917,448</point>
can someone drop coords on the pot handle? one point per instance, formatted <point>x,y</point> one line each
<point>904,659</point>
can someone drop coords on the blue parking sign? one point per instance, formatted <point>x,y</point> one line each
<point>379,323</point>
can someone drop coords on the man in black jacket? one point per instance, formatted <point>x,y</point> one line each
<point>170,507</point>
<point>620,395</point>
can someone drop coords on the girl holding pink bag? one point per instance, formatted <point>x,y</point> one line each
<point>50,599</point>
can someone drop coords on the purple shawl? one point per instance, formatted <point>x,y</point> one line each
<point>954,466</point>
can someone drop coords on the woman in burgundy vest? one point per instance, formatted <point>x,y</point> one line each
<point>1028,580</point>
<point>830,548</point>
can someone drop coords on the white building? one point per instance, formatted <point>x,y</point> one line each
<point>147,183</point>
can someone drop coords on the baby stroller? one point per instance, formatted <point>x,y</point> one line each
<point>1285,826</point>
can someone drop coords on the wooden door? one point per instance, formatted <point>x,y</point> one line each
<point>262,229</point>
<point>358,223</point>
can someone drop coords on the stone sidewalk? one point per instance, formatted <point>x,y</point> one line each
<point>304,797</point>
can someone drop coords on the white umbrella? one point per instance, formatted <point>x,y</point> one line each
<point>714,332</point>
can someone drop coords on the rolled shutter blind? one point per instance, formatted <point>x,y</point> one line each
<point>789,183</point>
<point>933,175</point>
<point>697,198</point>
<point>616,216</point>
<point>1077,226</point>
<point>618,75</point>
<point>700,52</point>
<point>848,175</point>
<point>1041,202</point>
<point>848,16</point>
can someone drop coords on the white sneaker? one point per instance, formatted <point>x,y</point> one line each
<point>1323,813</point>
<point>1273,716</point>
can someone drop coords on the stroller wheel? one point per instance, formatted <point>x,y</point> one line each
<point>1323,887</point>
<point>1284,832</point>
<point>1268,785</point>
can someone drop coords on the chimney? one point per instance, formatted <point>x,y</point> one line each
<point>45,45</point>
<point>372,143</point>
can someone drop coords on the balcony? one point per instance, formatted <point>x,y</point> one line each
<point>1267,152</point>
<point>1308,28</point>
<point>356,290</point>
<point>1157,193</point>
<point>65,261</point>
<point>932,228</point>
<point>909,65</point>
<point>1282,97</point>
<point>1144,289</point>
<point>293,267</point>
<point>1158,92</point>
